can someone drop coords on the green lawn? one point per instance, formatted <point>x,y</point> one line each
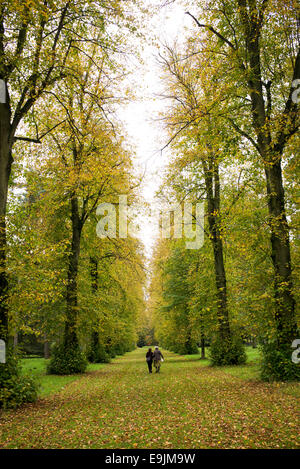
<point>50,384</point>
<point>248,371</point>
<point>188,405</point>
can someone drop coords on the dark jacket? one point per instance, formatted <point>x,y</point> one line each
<point>149,355</point>
<point>157,355</point>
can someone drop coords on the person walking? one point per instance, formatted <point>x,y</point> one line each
<point>157,358</point>
<point>149,359</point>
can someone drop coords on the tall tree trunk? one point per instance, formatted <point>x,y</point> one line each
<point>220,277</point>
<point>94,283</point>
<point>281,256</point>
<point>280,244</point>
<point>5,170</point>
<point>70,336</point>
<point>212,183</point>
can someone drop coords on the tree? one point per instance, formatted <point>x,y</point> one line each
<point>205,142</point>
<point>93,165</point>
<point>176,293</point>
<point>259,45</point>
<point>37,46</point>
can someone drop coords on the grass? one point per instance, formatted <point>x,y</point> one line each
<point>188,405</point>
<point>248,371</point>
<point>50,384</point>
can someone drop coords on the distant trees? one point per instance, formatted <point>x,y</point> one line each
<point>205,142</point>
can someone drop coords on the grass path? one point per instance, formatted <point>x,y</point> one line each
<point>187,405</point>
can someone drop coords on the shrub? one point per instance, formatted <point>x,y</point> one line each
<point>229,351</point>
<point>121,349</point>
<point>15,388</point>
<point>67,360</point>
<point>277,364</point>
<point>190,347</point>
<point>98,354</point>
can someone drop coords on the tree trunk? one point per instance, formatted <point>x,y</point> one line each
<point>94,283</point>
<point>202,345</point>
<point>212,183</point>
<point>220,276</point>
<point>94,273</point>
<point>281,257</point>
<point>70,336</point>
<point>46,348</point>
<point>16,341</point>
<point>5,170</point>
<point>95,340</point>
<point>280,245</point>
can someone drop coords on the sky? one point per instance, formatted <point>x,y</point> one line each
<point>147,135</point>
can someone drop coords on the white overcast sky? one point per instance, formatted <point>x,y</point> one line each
<point>168,24</point>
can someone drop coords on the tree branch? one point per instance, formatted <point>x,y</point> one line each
<point>27,139</point>
<point>210,28</point>
<point>38,139</point>
<point>243,133</point>
<point>291,111</point>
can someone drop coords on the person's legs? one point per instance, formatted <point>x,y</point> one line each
<point>149,366</point>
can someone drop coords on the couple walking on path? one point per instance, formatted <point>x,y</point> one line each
<point>155,357</point>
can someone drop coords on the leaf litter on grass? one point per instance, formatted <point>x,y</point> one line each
<point>122,406</point>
